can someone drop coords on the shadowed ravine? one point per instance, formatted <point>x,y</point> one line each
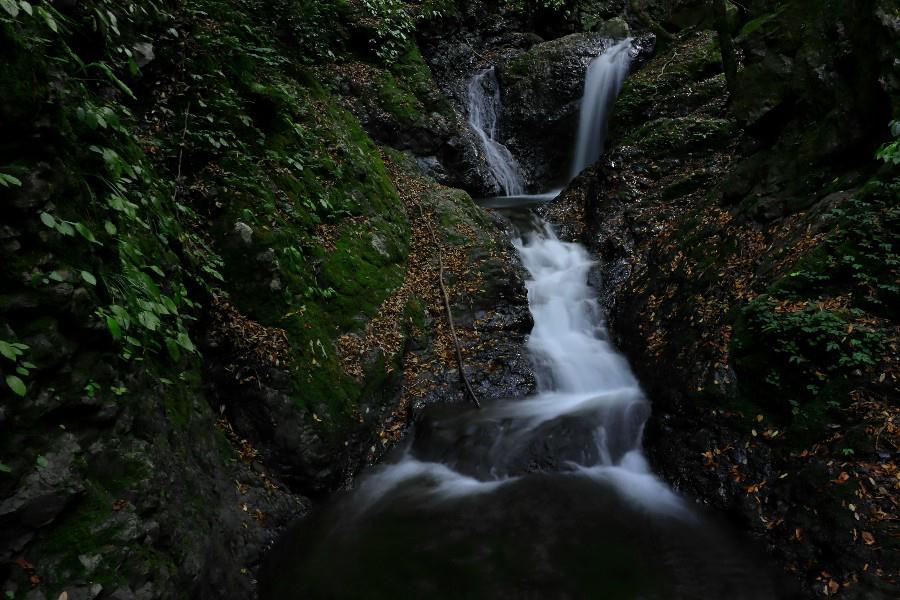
<point>548,496</point>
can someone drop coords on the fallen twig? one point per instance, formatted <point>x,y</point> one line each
<point>446,297</point>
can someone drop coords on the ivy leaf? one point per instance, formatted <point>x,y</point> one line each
<point>26,6</point>
<point>16,385</point>
<point>110,228</point>
<point>8,180</point>
<point>4,468</point>
<point>185,342</point>
<point>65,228</point>
<point>172,347</point>
<point>149,320</point>
<point>85,232</point>
<point>48,19</point>
<point>8,350</point>
<point>11,7</point>
<point>114,328</point>
<point>48,220</point>
<point>112,77</point>
<point>42,461</point>
<point>88,278</point>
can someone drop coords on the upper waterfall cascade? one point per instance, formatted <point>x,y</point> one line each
<point>605,77</point>
<point>484,106</point>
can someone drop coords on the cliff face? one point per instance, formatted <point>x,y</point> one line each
<point>749,269</point>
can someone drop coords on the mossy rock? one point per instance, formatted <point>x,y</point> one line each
<point>674,137</point>
<point>316,293</point>
<point>684,78</point>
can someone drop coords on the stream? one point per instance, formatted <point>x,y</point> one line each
<point>548,496</point>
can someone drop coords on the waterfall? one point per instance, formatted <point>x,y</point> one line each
<point>581,378</point>
<point>544,496</point>
<point>484,110</point>
<point>604,80</point>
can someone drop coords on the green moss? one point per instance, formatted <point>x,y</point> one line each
<point>363,269</point>
<point>318,169</point>
<point>518,67</point>
<point>406,109</point>
<point>86,531</point>
<point>684,77</point>
<point>672,136</point>
<point>413,74</point>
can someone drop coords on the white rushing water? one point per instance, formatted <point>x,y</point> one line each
<point>605,77</point>
<point>580,375</point>
<point>484,110</point>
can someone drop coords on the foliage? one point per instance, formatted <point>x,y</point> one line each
<point>811,340</point>
<point>14,351</point>
<point>890,151</point>
<point>271,153</point>
<point>825,322</point>
<point>394,26</point>
<point>132,218</point>
<point>532,6</point>
<point>9,181</point>
<point>859,255</point>
<point>311,27</point>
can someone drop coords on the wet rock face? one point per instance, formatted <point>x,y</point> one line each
<point>135,491</point>
<point>541,81</point>
<point>542,90</point>
<point>542,93</point>
<point>493,324</point>
<point>288,440</point>
<point>454,61</point>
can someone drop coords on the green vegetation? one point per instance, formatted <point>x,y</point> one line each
<point>14,351</point>
<point>114,218</point>
<point>690,78</point>
<point>825,325</point>
<point>890,151</point>
<point>239,134</point>
<point>158,156</point>
<point>859,256</point>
